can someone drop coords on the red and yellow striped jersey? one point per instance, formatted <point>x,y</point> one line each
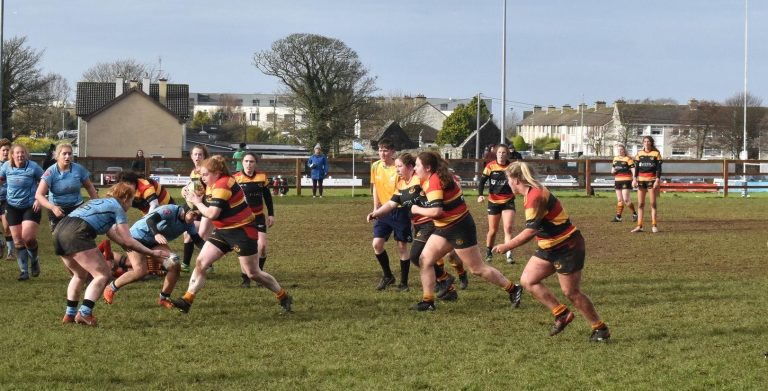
<point>147,191</point>
<point>227,195</point>
<point>253,187</point>
<point>449,198</point>
<point>499,191</point>
<point>384,178</point>
<point>545,214</point>
<point>406,191</point>
<point>648,165</point>
<point>622,168</point>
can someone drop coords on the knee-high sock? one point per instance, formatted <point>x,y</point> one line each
<point>383,259</point>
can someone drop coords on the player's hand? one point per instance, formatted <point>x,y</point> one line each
<point>58,211</point>
<point>370,217</point>
<point>500,248</point>
<point>160,253</point>
<point>270,221</point>
<point>480,198</point>
<point>160,239</point>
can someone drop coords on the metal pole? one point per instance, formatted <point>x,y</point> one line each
<point>477,139</point>
<point>503,71</point>
<point>744,154</point>
<point>2,25</point>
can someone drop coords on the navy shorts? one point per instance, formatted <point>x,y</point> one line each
<point>461,234</point>
<point>16,216</point>
<point>496,209</point>
<point>567,257</point>
<point>620,185</point>
<point>398,222</point>
<point>242,240</point>
<point>646,184</point>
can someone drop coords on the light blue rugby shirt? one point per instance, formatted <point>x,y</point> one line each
<point>101,214</point>
<point>64,187</point>
<point>170,225</point>
<point>22,183</point>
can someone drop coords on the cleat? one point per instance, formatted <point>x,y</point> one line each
<point>452,295</point>
<point>637,229</point>
<point>11,256</point>
<point>88,320</point>
<point>385,282</point>
<point>560,322</point>
<point>516,295</point>
<point>488,258</point>
<point>166,303</point>
<point>182,305</point>
<point>402,288</point>
<point>35,268</point>
<point>109,294</point>
<point>510,260</point>
<point>616,219</point>
<point>185,268</point>
<point>23,276</point>
<point>444,286</point>
<point>634,217</point>
<point>424,306</point>
<point>654,229</point>
<point>464,279</point>
<point>286,302</point>
<point>600,335</point>
<point>246,283</point>
<point>67,319</point>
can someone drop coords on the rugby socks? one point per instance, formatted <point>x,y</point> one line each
<point>113,286</point>
<point>33,253</point>
<point>9,244</point>
<point>383,259</point>
<point>188,249</point>
<point>262,261</point>
<point>281,294</point>
<point>22,257</point>
<point>510,287</point>
<point>405,267</point>
<point>71,308</point>
<point>619,209</point>
<point>430,298</point>
<point>559,310</point>
<point>599,325</point>
<point>245,278</point>
<point>189,297</point>
<point>87,308</point>
<point>458,267</point>
<point>631,207</point>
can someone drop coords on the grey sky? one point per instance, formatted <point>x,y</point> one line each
<point>558,50</point>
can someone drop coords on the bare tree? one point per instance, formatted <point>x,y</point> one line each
<point>598,138</point>
<point>398,107</point>
<point>732,136</point>
<point>325,77</point>
<point>129,69</point>
<point>24,84</point>
<point>701,125</point>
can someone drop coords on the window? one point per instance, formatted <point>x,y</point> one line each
<point>289,117</point>
<point>679,152</point>
<point>256,102</point>
<point>255,117</point>
<point>443,106</point>
<point>639,130</point>
<point>272,102</point>
<point>238,102</point>
<point>657,130</point>
<point>675,132</point>
<point>271,117</point>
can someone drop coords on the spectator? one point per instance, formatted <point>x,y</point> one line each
<point>138,164</point>
<point>318,164</point>
<point>490,154</point>
<point>238,157</point>
<point>49,157</point>
<point>513,154</point>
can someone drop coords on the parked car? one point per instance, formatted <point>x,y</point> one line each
<point>163,171</point>
<point>560,180</point>
<point>111,173</point>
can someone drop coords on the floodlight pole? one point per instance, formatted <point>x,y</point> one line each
<point>477,140</point>
<point>744,154</point>
<point>503,70</point>
<point>2,25</point>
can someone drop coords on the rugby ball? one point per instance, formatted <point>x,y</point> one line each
<point>171,261</point>
<point>197,188</point>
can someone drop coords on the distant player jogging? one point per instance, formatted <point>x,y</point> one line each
<point>560,249</point>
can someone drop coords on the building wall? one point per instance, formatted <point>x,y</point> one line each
<point>260,115</point>
<point>131,124</point>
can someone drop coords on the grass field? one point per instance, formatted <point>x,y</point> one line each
<point>686,307</point>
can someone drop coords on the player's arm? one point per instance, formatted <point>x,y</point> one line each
<point>152,219</point>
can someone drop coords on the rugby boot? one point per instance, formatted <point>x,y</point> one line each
<point>182,305</point>
<point>424,306</point>
<point>286,302</point>
<point>561,321</point>
<point>87,320</point>
<point>516,295</point>
<point>444,286</point>
<point>68,319</point>
<point>165,303</point>
<point>600,335</point>
<point>385,282</point>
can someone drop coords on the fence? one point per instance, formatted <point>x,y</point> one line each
<point>587,174</point>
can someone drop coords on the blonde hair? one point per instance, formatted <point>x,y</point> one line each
<point>122,192</point>
<point>524,173</point>
<point>60,148</point>
<point>13,147</point>
<point>217,164</point>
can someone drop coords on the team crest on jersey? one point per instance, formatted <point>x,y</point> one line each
<point>236,249</point>
<point>459,242</point>
<point>418,234</point>
<point>411,190</point>
<point>558,266</point>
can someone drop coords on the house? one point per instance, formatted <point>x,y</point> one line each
<point>266,111</point>
<point>115,119</point>
<point>489,134</point>
<point>581,130</point>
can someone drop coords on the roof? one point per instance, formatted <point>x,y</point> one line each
<point>568,117</point>
<point>652,113</point>
<point>92,96</point>
<point>126,94</point>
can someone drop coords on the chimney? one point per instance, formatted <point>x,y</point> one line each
<point>145,85</point>
<point>133,84</point>
<point>536,108</point>
<point>118,86</point>
<point>421,98</point>
<point>582,107</point>
<point>163,92</point>
<point>693,104</point>
<point>551,109</point>
<point>599,104</point>
<point>567,108</point>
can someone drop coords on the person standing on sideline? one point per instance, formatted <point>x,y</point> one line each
<point>50,157</point>
<point>138,165</point>
<point>238,157</point>
<point>513,154</point>
<point>74,241</point>
<point>59,191</point>
<point>383,180</point>
<point>623,170</point>
<point>560,249</point>
<point>647,177</point>
<point>318,165</point>
<point>23,210</point>
<point>5,148</point>
<point>224,203</point>
<point>501,200</point>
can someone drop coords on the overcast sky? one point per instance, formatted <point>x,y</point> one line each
<point>558,51</point>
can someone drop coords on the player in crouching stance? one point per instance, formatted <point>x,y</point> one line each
<point>560,249</point>
<point>155,231</point>
<point>232,219</point>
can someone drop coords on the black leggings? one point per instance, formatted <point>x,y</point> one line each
<point>317,184</point>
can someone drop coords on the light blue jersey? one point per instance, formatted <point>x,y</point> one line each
<point>22,183</point>
<point>101,214</point>
<point>3,188</point>
<point>168,223</point>
<point>64,187</point>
